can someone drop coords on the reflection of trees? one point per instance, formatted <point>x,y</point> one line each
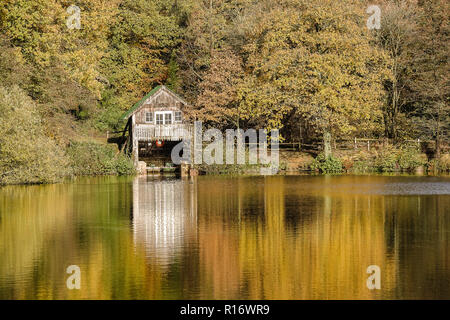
<point>421,227</point>
<point>29,216</point>
<point>272,237</point>
<point>325,257</point>
<point>316,246</point>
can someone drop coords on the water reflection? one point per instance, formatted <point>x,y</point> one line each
<point>164,215</point>
<point>227,238</point>
<point>310,238</point>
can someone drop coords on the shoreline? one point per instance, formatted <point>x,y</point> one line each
<point>69,180</point>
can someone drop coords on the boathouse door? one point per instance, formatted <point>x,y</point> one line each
<point>163,118</point>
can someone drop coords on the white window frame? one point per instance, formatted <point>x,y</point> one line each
<point>171,118</point>
<point>163,113</point>
<point>152,116</point>
<point>157,115</point>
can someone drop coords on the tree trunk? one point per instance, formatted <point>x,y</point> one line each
<point>327,143</point>
<point>211,36</point>
<point>438,148</point>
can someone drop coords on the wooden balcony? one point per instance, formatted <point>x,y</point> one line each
<point>170,132</point>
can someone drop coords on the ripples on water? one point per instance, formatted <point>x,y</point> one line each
<point>291,237</point>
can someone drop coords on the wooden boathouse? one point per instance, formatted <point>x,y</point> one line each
<point>155,125</point>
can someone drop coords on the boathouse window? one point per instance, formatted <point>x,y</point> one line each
<point>168,118</point>
<point>149,117</point>
<point>177,116</point>
<point>159,118</point>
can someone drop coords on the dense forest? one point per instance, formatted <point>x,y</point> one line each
<point>312,69</point>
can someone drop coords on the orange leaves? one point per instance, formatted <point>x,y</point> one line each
<point>218,99</point>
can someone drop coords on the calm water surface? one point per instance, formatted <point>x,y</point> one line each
<point>291,237</point>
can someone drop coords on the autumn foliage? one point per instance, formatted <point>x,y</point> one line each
<point>310,68</point>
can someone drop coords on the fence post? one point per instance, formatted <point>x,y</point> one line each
<point>355,145</point>
<point>368,145</point>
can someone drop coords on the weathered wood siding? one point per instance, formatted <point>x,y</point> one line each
<point>158,100</point>
<point>162,101</point>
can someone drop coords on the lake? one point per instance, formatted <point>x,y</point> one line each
<point>218,237</point>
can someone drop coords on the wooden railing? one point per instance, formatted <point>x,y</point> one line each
<point>172,132</point>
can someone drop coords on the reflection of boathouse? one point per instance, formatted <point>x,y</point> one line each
<point>164,215</point>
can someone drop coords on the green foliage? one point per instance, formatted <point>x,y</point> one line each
<point>228,169</point>
<point>89,158</point>
<point>362,166</point>
<point>314,59</point>
<point>403,158</point>
<point>232,169</point>
<point>386,160</point>
<point>173,80</point>
<point>363,162</point>
<point>444,162</point>
<point>326,165</point>
<point>109,113</point>
<point>27,155</point>
<point>439,165</point>
<point>143,35</point>
<point>13,69</point>
<point>409,158</point>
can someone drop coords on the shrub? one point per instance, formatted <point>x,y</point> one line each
<point>386,160</point>
<point>363,162</point>
<point>444,162</point>
<point>410,158</point>
<point>440,165</point>
<point>405,158</point>
<point>234,168</point>
<point>326,165</point>
<point>347,163</point>
<point>89,158</point>
<point>27,155</point>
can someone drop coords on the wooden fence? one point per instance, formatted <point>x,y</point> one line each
<point>346,144</point>
<point>355,143</point>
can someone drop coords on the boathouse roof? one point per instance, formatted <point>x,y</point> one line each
<point>155,91</point>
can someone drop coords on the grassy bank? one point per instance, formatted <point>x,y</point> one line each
<point>388,159</point>
<point>90,158</point>
<point>403,158</point>
<point>50,163</point>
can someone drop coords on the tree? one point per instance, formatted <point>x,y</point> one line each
<point>143,35</point>
<point>316,60</point>
<point>13,67</point>
<point>27,155</point>
<point>39,29</point>
<point>218,101</point>
<point>397,27</point>
<point>208,31</point>
<point>430,82</point>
